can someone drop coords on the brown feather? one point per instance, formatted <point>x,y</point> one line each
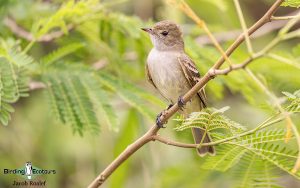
<point>192,75</point>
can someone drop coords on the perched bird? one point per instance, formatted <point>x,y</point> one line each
<point>171,71</point>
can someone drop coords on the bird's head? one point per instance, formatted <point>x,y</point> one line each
<point>166,36</point>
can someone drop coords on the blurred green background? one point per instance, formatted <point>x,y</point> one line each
<point>35,135</point>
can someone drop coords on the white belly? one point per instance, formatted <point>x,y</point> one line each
<point>166,74</point>
<point>169,78</point>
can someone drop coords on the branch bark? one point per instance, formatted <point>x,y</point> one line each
<point>148,136</point>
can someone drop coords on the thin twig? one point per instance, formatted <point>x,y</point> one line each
<point>244,26</point>
<point>275,99</point>
<point>282,17</point>
<point>170,112</point>
<point>190,13</point>
<point>284,60</point>
<point>222,141</point>
<point>231,35</point>
<point>21,32</point>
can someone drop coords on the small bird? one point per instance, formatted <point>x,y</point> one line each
<point>171,71</point>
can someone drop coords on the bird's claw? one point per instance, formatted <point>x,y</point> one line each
<point>181,103</point>
<point>159,123</point>
<point>170,106</point>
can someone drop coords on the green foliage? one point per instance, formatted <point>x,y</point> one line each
<point>77,94</point>
<point>60,53</point>
<point>13,79</point>
<point>209,120</point>
<point>132,95</point>
<point>70,101</point>
<point>291,3</point>
<point>252,172</point>
<point>294,99</point>
<point>70,12</point>
<point>227,157</point>
<point>253,156</point>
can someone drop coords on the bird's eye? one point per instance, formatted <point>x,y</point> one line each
<point>164,33</point>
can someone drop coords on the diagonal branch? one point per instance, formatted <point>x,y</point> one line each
<point>147,137</point>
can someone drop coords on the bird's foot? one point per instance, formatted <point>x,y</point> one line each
<point>159,123</point>
<point>170,106</point>
<point>181,103</point>
<point>161,114</point>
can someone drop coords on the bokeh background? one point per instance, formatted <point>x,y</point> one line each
<point>35,135</point>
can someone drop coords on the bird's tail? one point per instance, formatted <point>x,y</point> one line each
<point>198,136</point>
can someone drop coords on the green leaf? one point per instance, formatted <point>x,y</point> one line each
<point>227,156</point>
<point>70,12</point>
<point>211,120</point>
<point>260,144</point>
<point>121,88</point>
<point>101,100</point>
<point>61,52</point>
<point>252,172</point>
<point>291,3</point>
<point>294,101</point>
<point>70,99</point>
<point>13,86</point>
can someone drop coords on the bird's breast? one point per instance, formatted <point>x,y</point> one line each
<point>166,74</point>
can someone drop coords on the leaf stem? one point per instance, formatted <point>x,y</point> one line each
<point>263,125</point>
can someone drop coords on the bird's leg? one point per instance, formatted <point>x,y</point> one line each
<point>158,121</point>
<point>181,103</point>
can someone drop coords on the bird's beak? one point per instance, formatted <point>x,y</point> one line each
<point>148,30</point>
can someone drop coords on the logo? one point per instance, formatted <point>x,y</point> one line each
<point>29,173</point>
<point>28,170</point>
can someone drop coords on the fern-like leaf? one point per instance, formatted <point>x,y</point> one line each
<point>209,119</point>
<point>70,100</point>
<point>121,88</point>
<point>61,52</point>
<point>101,100</point>
<point>291,3</point>
<point>253,172</point>
<point>294,99</point>
<point>13,85</point>
<point>227,157</point>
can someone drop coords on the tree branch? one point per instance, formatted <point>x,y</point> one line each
<point>21,32</point>
<point>147,137</point>
<point>231,35</point>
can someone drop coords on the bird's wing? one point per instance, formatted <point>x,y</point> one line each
<point>192,75</point>
<point>149,76</point>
